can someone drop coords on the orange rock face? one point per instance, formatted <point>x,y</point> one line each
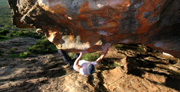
<point>78,25</point>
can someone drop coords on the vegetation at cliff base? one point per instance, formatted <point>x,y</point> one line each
<point>43,46</point>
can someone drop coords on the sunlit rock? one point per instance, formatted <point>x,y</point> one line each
<point>77,25</point>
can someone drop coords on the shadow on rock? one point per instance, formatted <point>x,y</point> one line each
<point>25,87</point>
<point>48,70</point>
<point>157,71</point>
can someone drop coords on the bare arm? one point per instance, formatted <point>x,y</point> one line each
<point>76,63</point>
<point>105,52</point>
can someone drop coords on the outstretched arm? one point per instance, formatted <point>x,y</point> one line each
<point>76,63</point>
<point>105,48</point>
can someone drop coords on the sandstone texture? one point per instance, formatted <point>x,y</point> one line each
<point>86,25</point>
<point>124,69</point>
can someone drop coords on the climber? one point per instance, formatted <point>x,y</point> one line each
<point>87,68</point>
<point>82,66</point>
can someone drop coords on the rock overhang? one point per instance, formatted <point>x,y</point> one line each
<point>78,25</point>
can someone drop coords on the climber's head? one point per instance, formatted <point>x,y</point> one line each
<point>90,69</point>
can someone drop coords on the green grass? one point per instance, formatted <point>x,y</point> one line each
<point>115,64</point>
<point>4,38</point>
<point>5,14</point>
<point>9,31</point>
<point>21,55</point>
<point>135,47</point>
<point>6,34</point>
<point>43,46</point>
<point>72,55</point>
<point>109,63</point>
<point>91,56</point>
<point>88,56</point>
<point>3,3</point>
<point>140,49</point>
<point>119,45</point>
<point>12,50</point>
<point>13,55</point>
<point>24,33</point>
<point>24,55</point>
<point>6,21</point>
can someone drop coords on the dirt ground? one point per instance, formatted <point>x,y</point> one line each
<point>126,68</point>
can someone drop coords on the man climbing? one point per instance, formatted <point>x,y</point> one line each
<point>82,66</point>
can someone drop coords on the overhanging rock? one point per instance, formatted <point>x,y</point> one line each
<point>77,25</point>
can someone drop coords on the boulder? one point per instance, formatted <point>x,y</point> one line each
<point>86,25</point>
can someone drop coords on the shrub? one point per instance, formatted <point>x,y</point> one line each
<point>1,53</point>
<point>12,50</point>
<point>3,38</point>
<point>21,55</point>
<point>115,64</point>
<point>13,55</point>
<point>119,45</point>
<point>19,33</point>
<point>43,46</point>
<point>4,32</point>
<point>140,49</point>
<point>23,33</point>
<point>25,54</point>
